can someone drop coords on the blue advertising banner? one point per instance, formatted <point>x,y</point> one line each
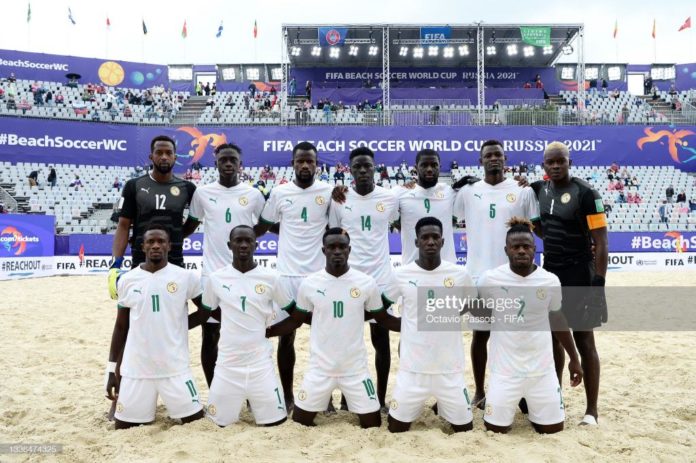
<point>26,235</point>
<point>25,140</point>
<point>114,73</point>
<point>622,242</point>
<point>435,35</point>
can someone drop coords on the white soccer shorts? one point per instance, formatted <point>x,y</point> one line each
<point>258,384</point>
<point>542,393</point>
<point>413,389</point>
<point>315,392</point>
<point>137,398</point>
<point>288,287</point>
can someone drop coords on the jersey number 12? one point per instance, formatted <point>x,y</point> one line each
<point>159,201</point>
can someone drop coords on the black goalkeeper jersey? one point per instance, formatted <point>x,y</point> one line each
<point>145,201</point>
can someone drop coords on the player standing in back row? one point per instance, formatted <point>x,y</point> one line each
<point>366,214</point>
<point>572,222</point>
<point>221,206</point>
<point>158,197</point>
<point>486,207</point>
<point>301,207</point>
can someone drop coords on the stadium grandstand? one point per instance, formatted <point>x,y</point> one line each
<point>445,78</point>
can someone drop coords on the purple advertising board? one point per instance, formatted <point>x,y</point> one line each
<point>670,241</point>
<point>351,96</point>
<point>26,235</point>
<point>53,68</point>
<point>27,140</point>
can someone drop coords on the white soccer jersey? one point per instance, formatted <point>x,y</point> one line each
<point>486,209</point>
<point>246,303</point>
<point>303,215</point>
<point>221,209</point>
<point>157,343</point>
<point>367,219</point>
<point>520,343</point>
<point>419,202</point>
<point>338,307</point>
<point>423,351</point>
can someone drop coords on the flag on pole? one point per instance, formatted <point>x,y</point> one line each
<point>686,25</point>
<point>654,29</point>
<point>70,16</point>
<point>144,28</point>
<point>184,32</point>
<point>108,24</point>
<point>616,27</point>
<point>256,29</point>
<point>28,11</point>
<point>219,32</point>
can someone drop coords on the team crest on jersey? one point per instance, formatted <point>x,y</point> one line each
<point>260,289</point>
<point>243,201</point>
<point>565,198</point>
<point>172,287</point>
<point>119,407</point>
<point>511,197</point>
<point>302,395</point>
<point>212,410</point>
<point>449,282</point>
<point>319,200</point>
<point>175,191</point>
<point>380,207</point>
<point>394,404</point>
<point>541,294</point>
<point>440,195</point>
<point>354,293</point>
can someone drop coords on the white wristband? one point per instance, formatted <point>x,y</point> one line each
<point>111,367</point>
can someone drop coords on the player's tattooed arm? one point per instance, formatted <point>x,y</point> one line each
<point>559,326</point>
<point>287,326</point>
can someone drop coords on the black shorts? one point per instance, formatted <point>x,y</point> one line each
<point>576,281</point>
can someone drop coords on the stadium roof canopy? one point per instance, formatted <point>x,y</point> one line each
<point>413,45</point>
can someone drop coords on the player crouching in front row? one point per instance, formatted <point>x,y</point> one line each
<point>149,353</point>
<point>336,302</point>
<point>521,352</point>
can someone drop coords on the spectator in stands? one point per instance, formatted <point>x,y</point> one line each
<point>95,116</point>
<point>669,193</point>
<point>34,178</point>
<point>692,205</point>
<point>339,175</point>
<point>527,85</point>
<point>635,182</point>
<point>127,111</point>
<point>676,105</point>
<point>647,84</point>
<point>624,114</point>
<point>614,167</point>
<point>48,99</point>
<point>199,89</point>
<point>206,89</point>
<point>637,199</point>
<point>654,93</point>
<point>283,180</point>
<point>308,90</point>
<point>399,176</point>
<point>681,197</point>
<point>188,175</point>
<point>261,186</point>
<point>538,83</point>
<point>615,94</point>
<point>672,90</point>
<point>196,176</point>
<point>327,113</point>
<point>324,177</point>
<point>252,90</point>
<point>217,114</point>
<point>620,198</point>
<point>454,165</point>
<point>52,176</point>
<point>213,89</point>
<point>12,78</point>
<point>630,198</point>
<point>229,101</point>
<point>77,183</point>
<point>2,208</point>
<point>384,175</point>
<point>117,185</point>
<point>574,101</point>
<point>266,173</point>
<point>196,166</point>
<point>663,210</point>
<point>605,87</point>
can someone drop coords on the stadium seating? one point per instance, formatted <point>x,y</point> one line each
<point>87,209</point>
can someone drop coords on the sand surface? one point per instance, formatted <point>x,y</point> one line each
<point>55,337</point>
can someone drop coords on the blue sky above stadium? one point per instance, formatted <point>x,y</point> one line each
<point>51,31</point>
